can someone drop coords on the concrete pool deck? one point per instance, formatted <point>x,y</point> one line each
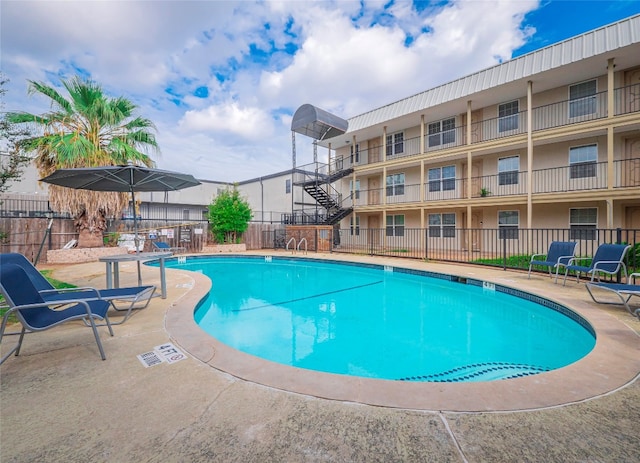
<point>60,402</point>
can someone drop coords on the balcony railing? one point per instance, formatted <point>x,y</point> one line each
<point>583,176</point>
<point>627,99</point>
<point>549,116</point>
<point>577,177</point>
<point>444,189</point>
<point>570,112</point>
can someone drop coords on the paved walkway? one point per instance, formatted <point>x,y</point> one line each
<point>60,403</point>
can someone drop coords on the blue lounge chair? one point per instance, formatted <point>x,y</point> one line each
<point>624,291</point>
<point>36,314</point>
<point>558,255</point>
<point>134,297</point>
<point>161,246</point>
<point>608,259</point>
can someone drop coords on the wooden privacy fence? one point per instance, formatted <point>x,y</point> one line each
<point>28,235</point>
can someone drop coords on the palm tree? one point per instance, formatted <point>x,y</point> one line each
<point>87,129</point>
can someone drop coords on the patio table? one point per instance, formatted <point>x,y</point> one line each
<point>113,273</point>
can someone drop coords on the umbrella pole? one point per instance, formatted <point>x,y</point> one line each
<point>136,240</point>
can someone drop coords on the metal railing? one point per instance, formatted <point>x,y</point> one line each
<point>576,177</point>
<point>544,117</point>
<point>502,247</point>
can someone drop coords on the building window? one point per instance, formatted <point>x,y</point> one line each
<point>442,132</point>
<point>583,223</point>
<point>582,99</point>
<point>395,184</point>
<point>508,225</point>
<point>355,158</point>
<point>395,144</point>
<point>355,228</point>
<point>508,170</point>
<point>442,178</point>
<point>582,161</point>
<point>395,225</point>
<point>356,192</point>
<point>508,116</point>
<point>442,225</point>
<point>287,186</point>
<point>185,214</point>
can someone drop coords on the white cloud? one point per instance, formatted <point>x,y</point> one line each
<point>351,57</point>
<point>248,122</point>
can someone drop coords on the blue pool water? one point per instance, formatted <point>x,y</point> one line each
<point>383,323</point>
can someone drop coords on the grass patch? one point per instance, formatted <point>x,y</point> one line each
<point>55,283</point>
<point>520,261</point>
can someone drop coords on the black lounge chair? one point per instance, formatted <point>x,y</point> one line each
<point>558,255</point>
<point>36,314</point>
<point>134,297</point>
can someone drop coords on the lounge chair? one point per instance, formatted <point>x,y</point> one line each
<point>36,314</point>
<point>609,259</point>
<point>133,297</point>
<point>623,291</point>
<point>161,246</point>
<point>558,255</point>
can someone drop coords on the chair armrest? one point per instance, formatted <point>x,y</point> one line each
<point>566,260</point>
<point>632,277</point>
<point>533,257</point>
<point>602,262</point>
<point>71,290</point>
<point>573,260</point>
<point>50,304</point>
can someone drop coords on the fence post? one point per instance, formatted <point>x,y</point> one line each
<point>504,250</point>
<point>426,243</point>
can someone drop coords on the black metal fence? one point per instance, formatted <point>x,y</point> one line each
<point>507,248</point>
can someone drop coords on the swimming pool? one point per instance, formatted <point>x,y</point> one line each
<point>384,323</point>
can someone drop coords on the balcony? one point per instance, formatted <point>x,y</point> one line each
<point>557,114</point>
<point>577,177</point>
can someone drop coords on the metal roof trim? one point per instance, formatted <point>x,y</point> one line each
<point>589,44</point>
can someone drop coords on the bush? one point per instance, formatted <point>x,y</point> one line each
<point>229,217</point>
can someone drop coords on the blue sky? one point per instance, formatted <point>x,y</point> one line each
<point>221,80</point>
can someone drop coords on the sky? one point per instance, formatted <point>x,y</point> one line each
<point>221,80</point>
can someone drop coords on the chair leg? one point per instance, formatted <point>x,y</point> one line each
<point>529,276</point>
<point>15,348</point>
<point>20,340</point>
<point>97,336</point>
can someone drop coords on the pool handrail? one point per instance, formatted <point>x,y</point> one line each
<point>294,244</point>
<point>303,240</point>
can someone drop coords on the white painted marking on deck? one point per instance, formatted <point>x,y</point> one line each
<point>160,354</point>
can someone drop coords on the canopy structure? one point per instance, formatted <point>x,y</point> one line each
<point>317,123</point>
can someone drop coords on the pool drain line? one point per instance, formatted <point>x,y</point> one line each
<point>310,297</point>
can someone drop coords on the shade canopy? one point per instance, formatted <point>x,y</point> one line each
<point>125,179</point>
<point>317,123</point>
<point>128,178</point>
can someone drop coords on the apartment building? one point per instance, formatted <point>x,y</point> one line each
<point>550,139</point>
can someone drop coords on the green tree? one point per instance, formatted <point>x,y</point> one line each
<point>229,216</point>
<point>13,160</point>
<point>86,129</point>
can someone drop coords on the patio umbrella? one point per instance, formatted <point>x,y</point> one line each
<point>129,178</point>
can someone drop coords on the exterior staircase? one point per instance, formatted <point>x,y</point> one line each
<point>318,189</point>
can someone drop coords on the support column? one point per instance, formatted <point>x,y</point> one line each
<point>469,158</point>
<point>610,134</point>
<point>529,154</point>
<point>422,197</point>
<point>422,134</point>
